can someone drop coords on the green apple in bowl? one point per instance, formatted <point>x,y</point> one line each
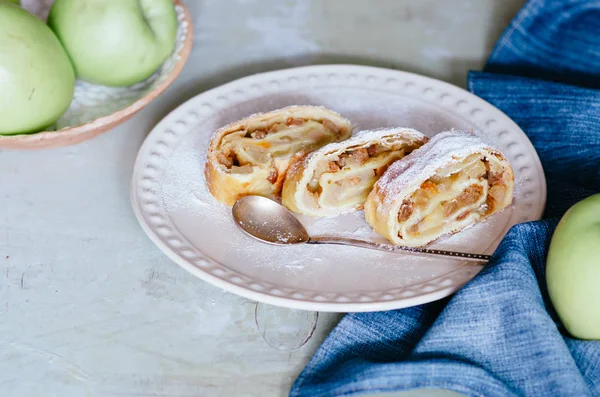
<point>115,42</point>
<point>36,78</point>
<point>573,269</point>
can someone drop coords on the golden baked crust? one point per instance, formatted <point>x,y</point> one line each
<point>337,178</point>
<point>450,183</point>
<point>252,156</point>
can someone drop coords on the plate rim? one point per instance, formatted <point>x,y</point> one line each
<point>299,303</point>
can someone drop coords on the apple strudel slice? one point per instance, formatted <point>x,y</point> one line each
<point>450,183</point>
<point>337,178</point>
<point>252,156</point>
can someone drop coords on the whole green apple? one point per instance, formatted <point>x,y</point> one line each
<point>573,269</point>
<point>36,77</point>
<point>115,42</point>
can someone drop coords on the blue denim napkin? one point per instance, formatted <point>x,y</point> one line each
<point>498,336</point>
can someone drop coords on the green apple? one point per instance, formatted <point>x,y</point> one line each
<point>573,269</point>
<point>36,78</point>
<point>115,42</point>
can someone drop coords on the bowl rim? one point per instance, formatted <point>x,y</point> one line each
<point>73,135</point>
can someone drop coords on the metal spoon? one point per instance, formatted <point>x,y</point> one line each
<point>270,222</point>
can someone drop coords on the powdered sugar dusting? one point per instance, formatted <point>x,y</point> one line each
<point>443,149</point>
<point>184,186</point>
<point>368,136</point>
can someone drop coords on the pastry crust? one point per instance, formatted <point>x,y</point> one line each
<point>450,183</point>
<point>337,178</point>
<point>252,156</point>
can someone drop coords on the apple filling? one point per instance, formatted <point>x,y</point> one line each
<point>282,138</point>
<point>457,196</point>
<point>346,179</point>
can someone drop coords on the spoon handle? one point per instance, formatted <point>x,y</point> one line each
<point>397,248</point>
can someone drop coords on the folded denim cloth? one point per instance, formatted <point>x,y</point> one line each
<point>498,335</point>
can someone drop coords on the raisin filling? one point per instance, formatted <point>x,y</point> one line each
<point>480,180</point>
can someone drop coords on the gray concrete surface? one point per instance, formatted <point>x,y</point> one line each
<point>90,307</point>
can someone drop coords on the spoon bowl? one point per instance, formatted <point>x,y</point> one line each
<point>267,221</point>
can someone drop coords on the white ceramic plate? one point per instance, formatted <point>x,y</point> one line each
<point>173,206</point>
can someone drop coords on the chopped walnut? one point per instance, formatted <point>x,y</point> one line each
<point>332,166</point>
<point>360,155</point>
<point>470,195</point>
<point>227,161</point>
<point>273,176</point>
<point>421,197</point>
<point>331,126</point>
<point>258,134</point>
<point>462,216</point>
<point>293,121</point>
<point>450,207</point>
<point>406,210</point>
<point>372,150</point>
<point>495,178</point>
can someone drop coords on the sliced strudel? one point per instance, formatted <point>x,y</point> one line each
<point>252,156</point>
<point>450,183</point>
<point>337,178</point>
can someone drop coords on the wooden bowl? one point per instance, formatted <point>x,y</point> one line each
<point>96,109</point>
